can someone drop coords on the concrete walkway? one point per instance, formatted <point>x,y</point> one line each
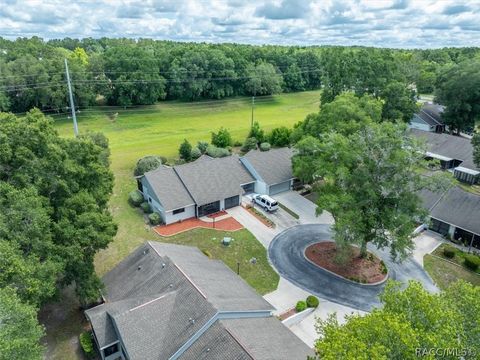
<point>425,243</point>
<point>263,233</point>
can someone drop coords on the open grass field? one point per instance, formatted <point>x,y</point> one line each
<point>160,129</point>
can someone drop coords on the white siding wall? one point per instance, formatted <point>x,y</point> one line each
<point>188,213</point>
<point>261,187</point>
<point>156,206</point>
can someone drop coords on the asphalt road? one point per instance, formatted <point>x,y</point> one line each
<point>286,252</point>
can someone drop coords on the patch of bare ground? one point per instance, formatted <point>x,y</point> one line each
<point>367,270</point>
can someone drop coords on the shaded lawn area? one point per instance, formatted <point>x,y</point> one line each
<point>444,273</point>
<point>244,247</point>
<point>63,321</point>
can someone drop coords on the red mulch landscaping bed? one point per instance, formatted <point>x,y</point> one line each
<point>368,270</point>
<point>287,314</point>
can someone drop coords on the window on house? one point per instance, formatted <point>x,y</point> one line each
<point>110,350</point>
<point>140,185</point>
<point>178,211</point>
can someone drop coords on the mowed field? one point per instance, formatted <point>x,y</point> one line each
<point>159,130</point>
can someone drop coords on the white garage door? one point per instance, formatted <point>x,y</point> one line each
<point>278,188</point>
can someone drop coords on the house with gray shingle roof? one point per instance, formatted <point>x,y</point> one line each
<point>166,301</point>
<point>208,185</point>
<point>428,118</point>
<point>454,212</point>
<point>455,154</point>
<point>272,169</point>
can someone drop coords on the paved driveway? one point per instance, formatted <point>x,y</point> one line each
<point>304,208</point>
<point>286,253</point>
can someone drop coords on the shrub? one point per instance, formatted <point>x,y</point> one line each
<point>196,153</point>
<point>202,146</point>
<point>384,269</point>
<point>280,136</point>
<point>216,152</point>
<point>147,163</point>
<point>86,343</point>
<point>249,144</point>
<point>135,198</point>
<point>265,146</point>
<point>301,305</point>
<point>312,301</point>
<point>237,143</point>
<point>145,206</point>
<point>222,138</point>
<point>256,132</point>
<point>449,251</point>
<point>155,218</point>
<point>185,150</point>
<point>472,262</point>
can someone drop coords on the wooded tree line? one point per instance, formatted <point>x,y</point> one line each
<point>53,219</point>
<point>127,72</point>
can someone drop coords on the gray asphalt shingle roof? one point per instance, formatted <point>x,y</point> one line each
<point>454,206</point>
<point>273,166</point>
<point>431,114</point>
<point>160,295</point>
<point>460,208</point>
<point>169,188</point>
<point>271,340</point>
<point>216,179</point>
<point>454,147</point>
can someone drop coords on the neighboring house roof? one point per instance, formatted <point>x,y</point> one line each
<point>431,114</point>
<point>165,299</point>
<point>273,166</point>
<point>168,187</point>
<point>215,179</point>
<point>450,146</point>
<point>455,206</point>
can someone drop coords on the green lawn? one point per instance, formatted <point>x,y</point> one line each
<point>444,273</point>
<point>458,258</point>
<point>243,248</point>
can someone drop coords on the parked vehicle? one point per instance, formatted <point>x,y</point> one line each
<point>266,202</point>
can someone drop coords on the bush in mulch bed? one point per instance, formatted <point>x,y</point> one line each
<point>145,206</point>
<point>301,305</point>
<point>312,301</point>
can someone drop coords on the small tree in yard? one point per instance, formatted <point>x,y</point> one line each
<point>222,138</point>
<point>256,132</point>
<point>371,180</point>
<point>185,150</point>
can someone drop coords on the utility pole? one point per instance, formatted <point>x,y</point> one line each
<point>72,105</point>
<point>253,106</point>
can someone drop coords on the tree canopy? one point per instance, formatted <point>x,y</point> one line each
<point>127,72</point>
<point>53,194</point>
<point>20,332</point>
<point>410,324</point>
<point>369,170</point>
<point>458,88</point>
